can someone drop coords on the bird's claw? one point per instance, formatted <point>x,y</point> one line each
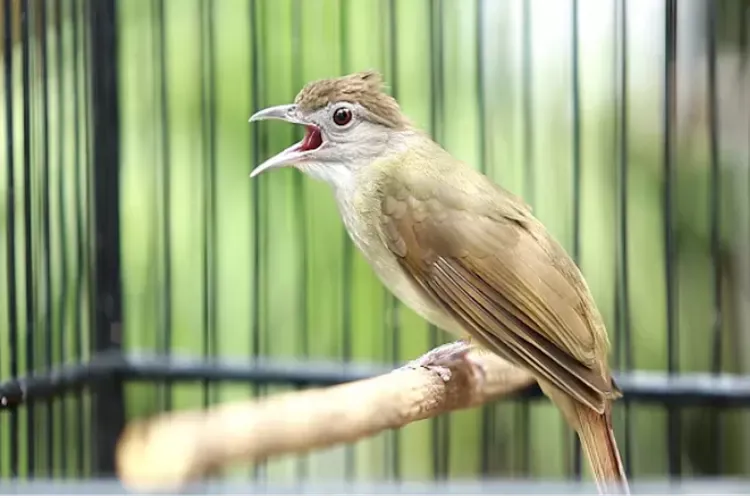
<point>442,358</point>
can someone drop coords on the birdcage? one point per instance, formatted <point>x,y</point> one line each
<point>143,272</point>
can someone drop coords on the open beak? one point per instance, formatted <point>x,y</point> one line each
<point>295,153</point>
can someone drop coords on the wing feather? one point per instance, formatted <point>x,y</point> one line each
<point>503,279</point>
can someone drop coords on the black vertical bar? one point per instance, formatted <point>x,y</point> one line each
<point>391,302</point>
<point>62,222</point>
<point>480,89</point>
<point>8,89</point>
<point>89,197</point>
<point>622,305</point>
<point>10,221</point>
<point>47,265</point>
<point>715,200</point>
<point>670,40</point>
<point>209,185</point>
<point>79,230</point>
<point>440,425</point>
<point>255,186</point>
<point>745,51</point>
<point>301,216</point>
<point>205,165</point>
<point>528,147</point>
<point>256,193</point>
<point>166,193</point>
<point>45,194</point>
<point>156,262</point>
<point>486,437</point>
<point>528,109</point>
<point>576,160</point>
<point>347,263</point>
<point>109,411</point>
<point>29,259</point>
<point>744,20</point>
<point>576,135</point>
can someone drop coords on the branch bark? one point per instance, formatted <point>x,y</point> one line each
<point>170,450</point>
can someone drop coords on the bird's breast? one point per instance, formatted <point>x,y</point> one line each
<point>360,211</point>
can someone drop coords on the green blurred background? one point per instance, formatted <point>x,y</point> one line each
<point>215,263</point>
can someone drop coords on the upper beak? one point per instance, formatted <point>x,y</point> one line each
<point>287,113</point>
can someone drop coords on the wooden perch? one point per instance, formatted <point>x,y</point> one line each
<point>173,449</point>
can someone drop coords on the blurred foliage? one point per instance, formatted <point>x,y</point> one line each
<point>217,264</point>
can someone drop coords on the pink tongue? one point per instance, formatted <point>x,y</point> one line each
<point>312,139</point>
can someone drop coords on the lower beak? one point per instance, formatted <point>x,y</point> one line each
<point>291,155</point>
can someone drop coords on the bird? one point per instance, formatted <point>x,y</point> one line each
<point>457,248</point>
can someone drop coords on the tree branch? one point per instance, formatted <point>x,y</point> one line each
<point>172,449</point>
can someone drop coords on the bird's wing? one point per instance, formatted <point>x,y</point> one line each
<point>500,276</point>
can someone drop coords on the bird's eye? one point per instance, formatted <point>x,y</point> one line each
<point>342,116</point>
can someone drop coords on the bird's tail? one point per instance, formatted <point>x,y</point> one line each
<point>599,445</point>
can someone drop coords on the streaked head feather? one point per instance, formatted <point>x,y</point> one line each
<point>364,88</point>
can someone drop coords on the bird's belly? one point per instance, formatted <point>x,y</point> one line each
<point>394,278</point>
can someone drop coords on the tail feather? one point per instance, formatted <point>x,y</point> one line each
<point>598,442</point>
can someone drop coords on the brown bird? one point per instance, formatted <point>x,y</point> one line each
<point>461,251</point>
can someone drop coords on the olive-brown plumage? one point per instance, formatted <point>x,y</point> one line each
<point>495,270</point>
<point>468,256</point>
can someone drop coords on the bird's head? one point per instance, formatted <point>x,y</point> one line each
<point>349,122</point>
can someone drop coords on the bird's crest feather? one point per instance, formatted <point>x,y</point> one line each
<point>364,88</point>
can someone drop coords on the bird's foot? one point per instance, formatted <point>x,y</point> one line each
<point>442,358</point>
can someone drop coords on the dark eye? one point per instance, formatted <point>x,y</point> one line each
<point>342,116</point>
